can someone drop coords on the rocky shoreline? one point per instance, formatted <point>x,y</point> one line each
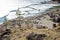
<point>39,27</point>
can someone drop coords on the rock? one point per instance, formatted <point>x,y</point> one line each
<point>34,36</point>
<point>5,35</point>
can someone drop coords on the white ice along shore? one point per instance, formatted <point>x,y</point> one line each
<point>8,5</point>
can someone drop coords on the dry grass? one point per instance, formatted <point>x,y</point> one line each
<point>21,33</point>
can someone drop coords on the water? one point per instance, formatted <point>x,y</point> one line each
<point>36,1</point>
<point>37,9</point>
<point>8,5</point>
